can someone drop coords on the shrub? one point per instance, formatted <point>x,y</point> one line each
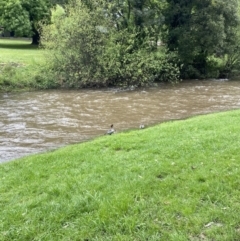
<point>85,49</point>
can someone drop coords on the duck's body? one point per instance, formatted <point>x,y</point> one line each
<point>110,131</point>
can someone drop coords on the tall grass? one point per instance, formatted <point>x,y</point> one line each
<point>174,181</point>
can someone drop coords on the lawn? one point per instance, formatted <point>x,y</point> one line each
<point>175,181</point>
<point>19,62</point>
<point>19,51</point>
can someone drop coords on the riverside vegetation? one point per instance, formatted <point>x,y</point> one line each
<point>27,67</point>
<point>122,43</point>
<point>19,65</point>
<point>175,181</point>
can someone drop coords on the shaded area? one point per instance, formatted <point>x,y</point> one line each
<point>17,44</point>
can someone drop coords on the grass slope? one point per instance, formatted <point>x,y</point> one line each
<point>174,181</point>
<point>19,62</point>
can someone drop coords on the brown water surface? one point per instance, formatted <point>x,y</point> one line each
<point>33,122</point>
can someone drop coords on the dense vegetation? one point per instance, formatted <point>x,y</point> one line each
<point>175,181</point>
<point>22,17</point>
<point>204,33</point>
<point>127,42</point>
<point>106,44</point>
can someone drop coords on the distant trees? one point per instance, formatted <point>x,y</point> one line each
<point>143,15</point>
<point>59,2</point>
<point>22,16</point>
<point>200,30</point>
<point>102,43</point>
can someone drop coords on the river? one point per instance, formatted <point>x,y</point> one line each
<point>34,122</point>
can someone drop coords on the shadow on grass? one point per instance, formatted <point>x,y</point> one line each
<point>16,44</point>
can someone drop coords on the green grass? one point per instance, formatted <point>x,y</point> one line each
<point>174,181</point>
<point>19,64</point>
<point>19,51</point>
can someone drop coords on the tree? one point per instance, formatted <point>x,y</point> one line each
<point>59,2</point>
<point>199,29</point>
<point>22,16</point>
<point>143,16</point>
<point>103,43</point>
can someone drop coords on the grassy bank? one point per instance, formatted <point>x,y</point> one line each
<point>19,64</point>
<point>175,181</point>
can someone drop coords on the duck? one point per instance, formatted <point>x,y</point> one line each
<point>110,131</point>
<point>141,126</point>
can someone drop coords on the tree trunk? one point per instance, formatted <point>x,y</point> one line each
<point>35,36</point>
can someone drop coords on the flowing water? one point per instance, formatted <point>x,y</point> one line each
<point>33,122</point>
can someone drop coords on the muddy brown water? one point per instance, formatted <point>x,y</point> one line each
<point>33,122</point>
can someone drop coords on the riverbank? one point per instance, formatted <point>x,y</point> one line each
<point>174,181</point>
<point>19,64</point>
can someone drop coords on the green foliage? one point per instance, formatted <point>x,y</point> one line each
<point>231,59</point>
<point>138,15</point>
<point>169,68</point>
<point>199,29</point>
<point>22,16</point>
<point>87,47</point>
<point>75,42</point>
<point>57,13</point>
<point>125,65</point>
<point>59,2</point>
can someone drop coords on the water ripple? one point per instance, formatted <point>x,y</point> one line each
<point>34,122</point>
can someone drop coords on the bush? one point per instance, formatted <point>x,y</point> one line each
<point>85,49</point>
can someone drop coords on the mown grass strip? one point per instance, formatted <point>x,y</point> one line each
<point>174,181</point>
